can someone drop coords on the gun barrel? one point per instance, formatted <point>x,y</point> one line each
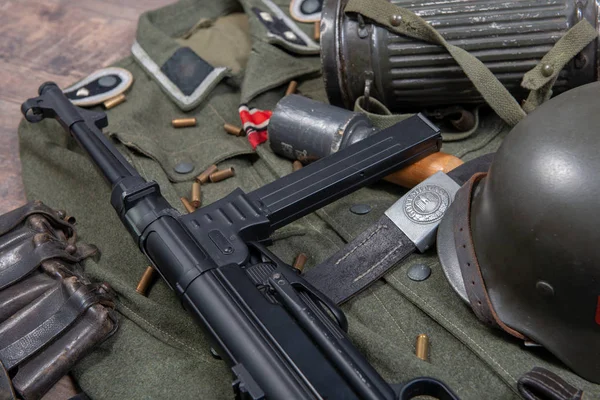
<point>85,127</point>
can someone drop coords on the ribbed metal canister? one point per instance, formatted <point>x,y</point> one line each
<point>510,37</point>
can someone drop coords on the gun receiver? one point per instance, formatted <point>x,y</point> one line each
<point>272,327</point>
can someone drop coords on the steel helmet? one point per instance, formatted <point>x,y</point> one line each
<point>521,244</point>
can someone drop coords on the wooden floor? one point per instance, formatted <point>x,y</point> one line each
<point>62,41</point>
<point>58,40</point>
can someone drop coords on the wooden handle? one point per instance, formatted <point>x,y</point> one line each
<point>416,173</point>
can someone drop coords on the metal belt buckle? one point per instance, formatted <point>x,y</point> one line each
<point>419,212</point>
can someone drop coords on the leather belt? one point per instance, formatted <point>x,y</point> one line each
<point>408,225</point>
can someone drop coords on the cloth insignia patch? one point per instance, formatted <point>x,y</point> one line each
<point>185,77</point>
<point>255,123</point>
<point>283,31</point>
<point>306,10</point>
<point>278,27</point>
<point>186,70</point>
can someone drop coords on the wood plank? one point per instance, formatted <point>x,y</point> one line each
<point>55,40</point>
<point>61,41</point>
<point>60,38</point>
<point>21,82</point>
<point>11,189</point>
<point>108,9</point>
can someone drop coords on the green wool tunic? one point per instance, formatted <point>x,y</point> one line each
<point>158,351</point>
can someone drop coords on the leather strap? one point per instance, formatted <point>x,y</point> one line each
<point>41,371</point>
<point>541,384</point>
<point>6,389</point>
<point>28,341</point>
<point>471,272</point>
<point>382,246</point>
<point>13,218</point>
<point>361,262</point>
<point>23,258</point>
<point>19,295</point>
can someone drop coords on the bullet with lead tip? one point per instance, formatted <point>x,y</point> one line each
<point>183,122</point>
<point>296,165</point>
<point>222,175</point>
<point>422,347</point>
<point>300,261</point>
<point>204,176</point>
<point>234,130</point>
<point>145,281</point>
<point>196,194</point>
<point>188,206</point>
<point>291,89</point>
<point>115,101</point>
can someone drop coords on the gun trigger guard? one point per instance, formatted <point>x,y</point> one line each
<point>424,387</point>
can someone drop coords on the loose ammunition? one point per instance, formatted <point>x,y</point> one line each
<point>234,130</point>
<point>300,261</point>
<point>222,175</point>
<point>296,165</point>
<point>203,177</point>
<point>115,101</point>
<point>291,89</point>
<point>188,206</point>
<point>145,281</point>
<point>317,34</point>
<point>196,194</point>
<point>183,122</point>
<point>422,347</point>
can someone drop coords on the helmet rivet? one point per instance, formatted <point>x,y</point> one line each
<point>395,20</point>
<point>547,70</point>
<point>544,288</point>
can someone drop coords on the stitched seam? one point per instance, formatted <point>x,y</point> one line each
<point>130,137</point>
<point>320,233</point>
<point>216,112</point>
<point>552,390</point>
<point>456,327</point>
<point>380,227</point>
<point>161,331</point>
<point>390,314</point>
<point>555,381</point>
<point>252,172</point>
<point>394,250</point>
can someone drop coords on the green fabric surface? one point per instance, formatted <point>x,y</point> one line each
<point>159,352</point>
<point>575,40</point>
<point>382,118</point>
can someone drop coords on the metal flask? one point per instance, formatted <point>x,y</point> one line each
<point>509,36</point>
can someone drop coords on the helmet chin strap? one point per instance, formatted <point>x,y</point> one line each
<point>469,266</point>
